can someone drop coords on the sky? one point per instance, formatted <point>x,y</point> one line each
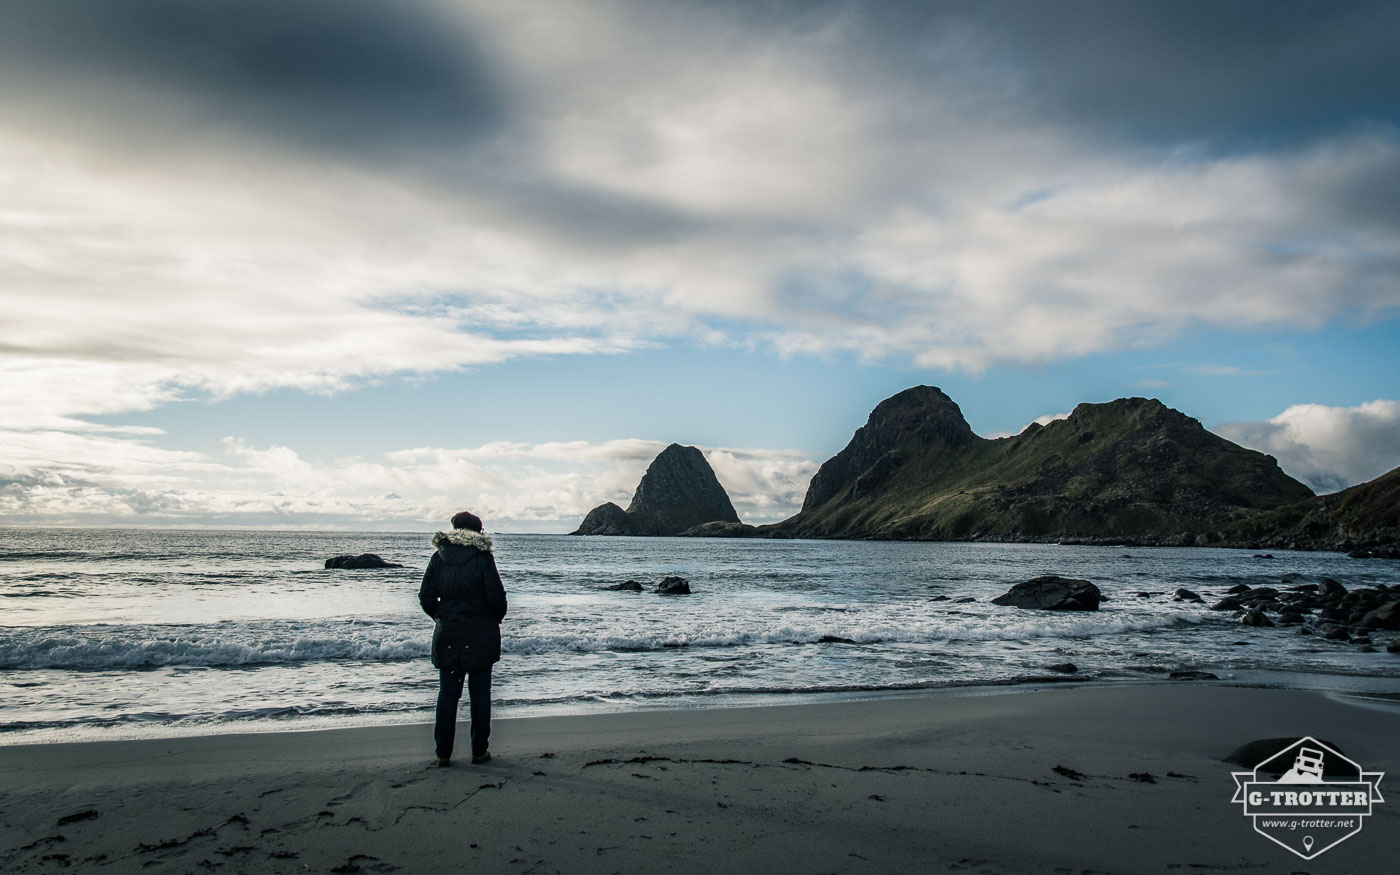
<point>360,265</point>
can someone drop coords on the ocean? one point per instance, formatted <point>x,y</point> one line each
<point>120,633</point>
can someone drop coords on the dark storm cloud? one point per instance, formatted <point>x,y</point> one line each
<point>392,84</point>
<point>338,74</point>
<point>1222,72</point>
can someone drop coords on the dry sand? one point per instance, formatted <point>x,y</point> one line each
<point>922,784</point>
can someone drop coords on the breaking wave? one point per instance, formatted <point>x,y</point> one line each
<point>248,644</point>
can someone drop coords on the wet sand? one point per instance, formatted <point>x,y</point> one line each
<point>1070,779</point>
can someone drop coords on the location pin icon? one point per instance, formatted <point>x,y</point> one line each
<point>1307,843</point>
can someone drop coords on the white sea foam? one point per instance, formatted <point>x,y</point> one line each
<point>224,644</point>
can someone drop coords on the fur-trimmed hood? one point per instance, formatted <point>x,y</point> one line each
<point>463,538</point>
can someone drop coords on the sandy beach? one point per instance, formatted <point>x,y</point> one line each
<point>931,783</point>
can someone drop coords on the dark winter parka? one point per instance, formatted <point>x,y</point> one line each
<point>462,592</point>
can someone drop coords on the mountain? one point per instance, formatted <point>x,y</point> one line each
<point>1365,517</point>
<point>1130,469</point>
<point>678,492</point>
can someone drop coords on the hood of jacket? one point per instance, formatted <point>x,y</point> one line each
<point>459,545</point>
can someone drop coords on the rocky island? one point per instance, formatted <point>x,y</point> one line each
<point>678,493</point>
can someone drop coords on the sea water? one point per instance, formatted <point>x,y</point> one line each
<point>122,632</point>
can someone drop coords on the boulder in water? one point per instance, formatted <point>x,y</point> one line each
<point>1387,617</point>
<point>364,560</point>
<point>1052,593</point>
<point>673,586</point>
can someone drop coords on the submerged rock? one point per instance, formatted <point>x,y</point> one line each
<point>1063,667</point>
<point>364,560</point>
<point>628,586</point>
<point>1052,593</point>
<point>1194,676</point>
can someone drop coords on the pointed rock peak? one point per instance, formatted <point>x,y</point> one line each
<point>678,451</point>
<point>680,485</point>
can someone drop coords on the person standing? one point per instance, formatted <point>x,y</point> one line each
<point>463,593</point>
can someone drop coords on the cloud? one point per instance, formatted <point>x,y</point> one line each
<point>1044,419</point>
<point>65,478</point>
<point>203,199</point>
<point>1328,448</point>
<point>361,78</point>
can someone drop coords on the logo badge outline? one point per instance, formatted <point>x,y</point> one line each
<point>1288,809</point>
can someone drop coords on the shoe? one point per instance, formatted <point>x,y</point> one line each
<point>478,759</point>
<point>440,763</point>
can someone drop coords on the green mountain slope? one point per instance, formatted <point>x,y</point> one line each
<point>1364,517</point>
<point>1131,469</point>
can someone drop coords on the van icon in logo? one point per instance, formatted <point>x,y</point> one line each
<point>1319,798</point>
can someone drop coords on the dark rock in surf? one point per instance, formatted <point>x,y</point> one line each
<point>1185,595</point>
<point>673,586</point>
<point>1193,676</point>
<point>1329,587</point>
<point>835,639</point>
<point>1052,593</point>
<point>1063,667</point>
<point>1387,617</point>
<point>1256,618</point>
<point>364,560</point>
<point>628,586</point>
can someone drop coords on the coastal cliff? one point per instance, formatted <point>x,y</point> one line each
<point>1364,520</point>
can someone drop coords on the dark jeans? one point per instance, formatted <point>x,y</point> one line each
<point>449,694</point>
